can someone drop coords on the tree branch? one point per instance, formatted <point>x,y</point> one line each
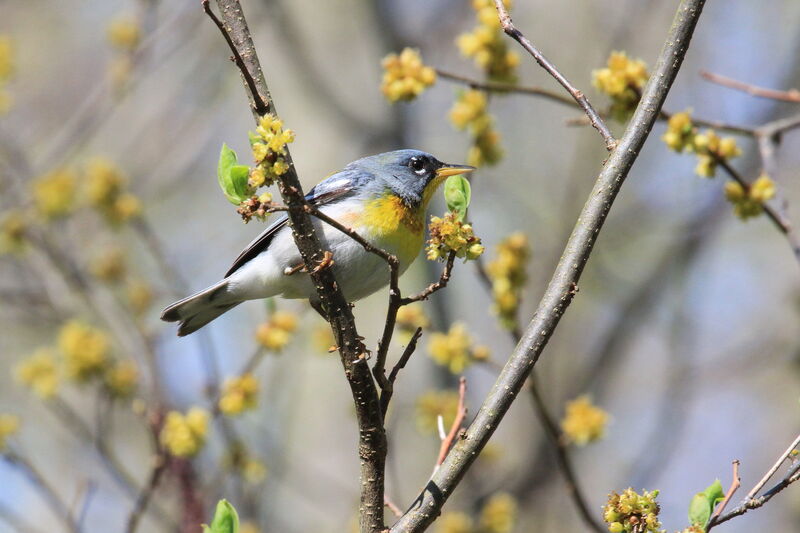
<point>792,95</point>
<point>580,98</point>
<point>372,437</point>
<point>560,290</point>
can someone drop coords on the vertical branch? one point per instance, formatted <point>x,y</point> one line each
<point>561,289</point>
<point>372,437</point>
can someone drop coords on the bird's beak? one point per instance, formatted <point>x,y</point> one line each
<point>452,170</point>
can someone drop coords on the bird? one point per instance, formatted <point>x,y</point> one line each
<point>382,197</point>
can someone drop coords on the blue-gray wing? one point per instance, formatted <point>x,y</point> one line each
<point>334,188</point>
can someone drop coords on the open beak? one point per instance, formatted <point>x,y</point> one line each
<point>452,170</point>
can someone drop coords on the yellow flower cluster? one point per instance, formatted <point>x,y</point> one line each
<point>239,394</point>
<point>454,522</point>
<point>710,148</point>
<point>470,112</point>
<point>54,193</point>
<point>498,515</point>
<point>411,317</point>
<point>584,422</point>
<point>487,46</point>
<point>276,332</point>
<point>105,191</point>
<point>6,71</point>
<point>185,435</point>
<point>455,350</point>
<point>9,425</point>
<point>121,379</point>
<point>140,296</point>
<point>109,266</point>
<point>680,132</point>
<point>629,512</point>
<point>507,272</point>
<point>405,76</point>
<point>85,350</point>
<point>39,372</point>
<point>749,201</point>
<point>124,32</point>
<point>449,234</point>
<point>622,80</point>
<point>12,231</point>
<point>433,404</point>
<point>269,151</point>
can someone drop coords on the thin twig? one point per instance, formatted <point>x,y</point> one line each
<point>388,389</point>
<point>560,291</point>
<point>771,472</point>
<point>396,511</point>
<point>791,95</point>
<point>736,482</point>
<point>455,428</point>
<point>510,88</point>
<point>594,117</point>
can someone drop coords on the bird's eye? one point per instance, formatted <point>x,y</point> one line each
<point>417,164</point>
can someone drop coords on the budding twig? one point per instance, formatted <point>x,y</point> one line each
<point>791,95</point>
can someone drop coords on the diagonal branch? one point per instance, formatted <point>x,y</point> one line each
<point>560,290</point>
<point>580,98</point>
<point>372,436</point>
<point>792,95</point>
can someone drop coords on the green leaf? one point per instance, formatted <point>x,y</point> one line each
<point>226,520</point>
<point>457,194</point>
<point>702,504</point>
<point>232,177</point>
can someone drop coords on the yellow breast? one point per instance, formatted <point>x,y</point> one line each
<point>394,226</point>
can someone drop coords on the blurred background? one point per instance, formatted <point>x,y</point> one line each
<point>684,332</point>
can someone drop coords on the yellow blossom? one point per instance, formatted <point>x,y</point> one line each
<point>411,317</point>
<point>449,234</point>
<point>109,266</point>
<point>454,348</point>
<point>268,145</point>
<point>104,182</point>
<point>12,231</point>
<point>405,76</point>
<point>54,193</point>
<point>276,333</point>
<point>125,207</point>
<point>470,112</point>
<point>499,514</point>
<point>9,425</point>
<point>454,522</point>
<point>284,320</point>
<point>140,296</point>
<point>121,379</point>
<point>39,372</point>
<point>749,202</point>
<point>84,348</point>
<point>584,422</point>
<point>680,131</point>
<point>487,46</point>
<point>239,394</point>
<point>430,405</point>
<point>621,79</point>
<point>629,512</point>
<point>124,32</point>
<point>185,435</point>
<point>507,272</point>
<point>469,107</point>
<point>6,58</point>
<point>711,148</point>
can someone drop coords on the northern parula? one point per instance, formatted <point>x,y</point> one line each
<point>382,197</point>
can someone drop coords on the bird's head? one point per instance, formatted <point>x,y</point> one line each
<point>412,175</point>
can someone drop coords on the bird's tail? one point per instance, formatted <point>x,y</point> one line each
<point>197,310</point>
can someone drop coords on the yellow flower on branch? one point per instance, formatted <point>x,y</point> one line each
<point>454,349</point>
<point>239,394</point>
<point>124,32</point>
<point>109,266</point>
<point>6,58</point>
<point>507,272</point>
<point>12,231</point>
<point>276,332</point>
<point>749,202</point>
<point>54,193</point>
<point>448,234</point>
<point>405,76</point>
<point>486,44</point>
<point>185,435</point>
<point>680,132</point>
<point>454,522</point>
<point>411,317</point>
<point>121,379</point>
<point>622,79</point>
<point>140,296</point>
<point>9,425</point>
<point>470,112</point>
<point>584,422</point>
<point>630,511</point>
<point>269,151</point>
<point>39,372</point>
<point>433,404</point>
<point>85,350</point>
<point>499,514</point>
